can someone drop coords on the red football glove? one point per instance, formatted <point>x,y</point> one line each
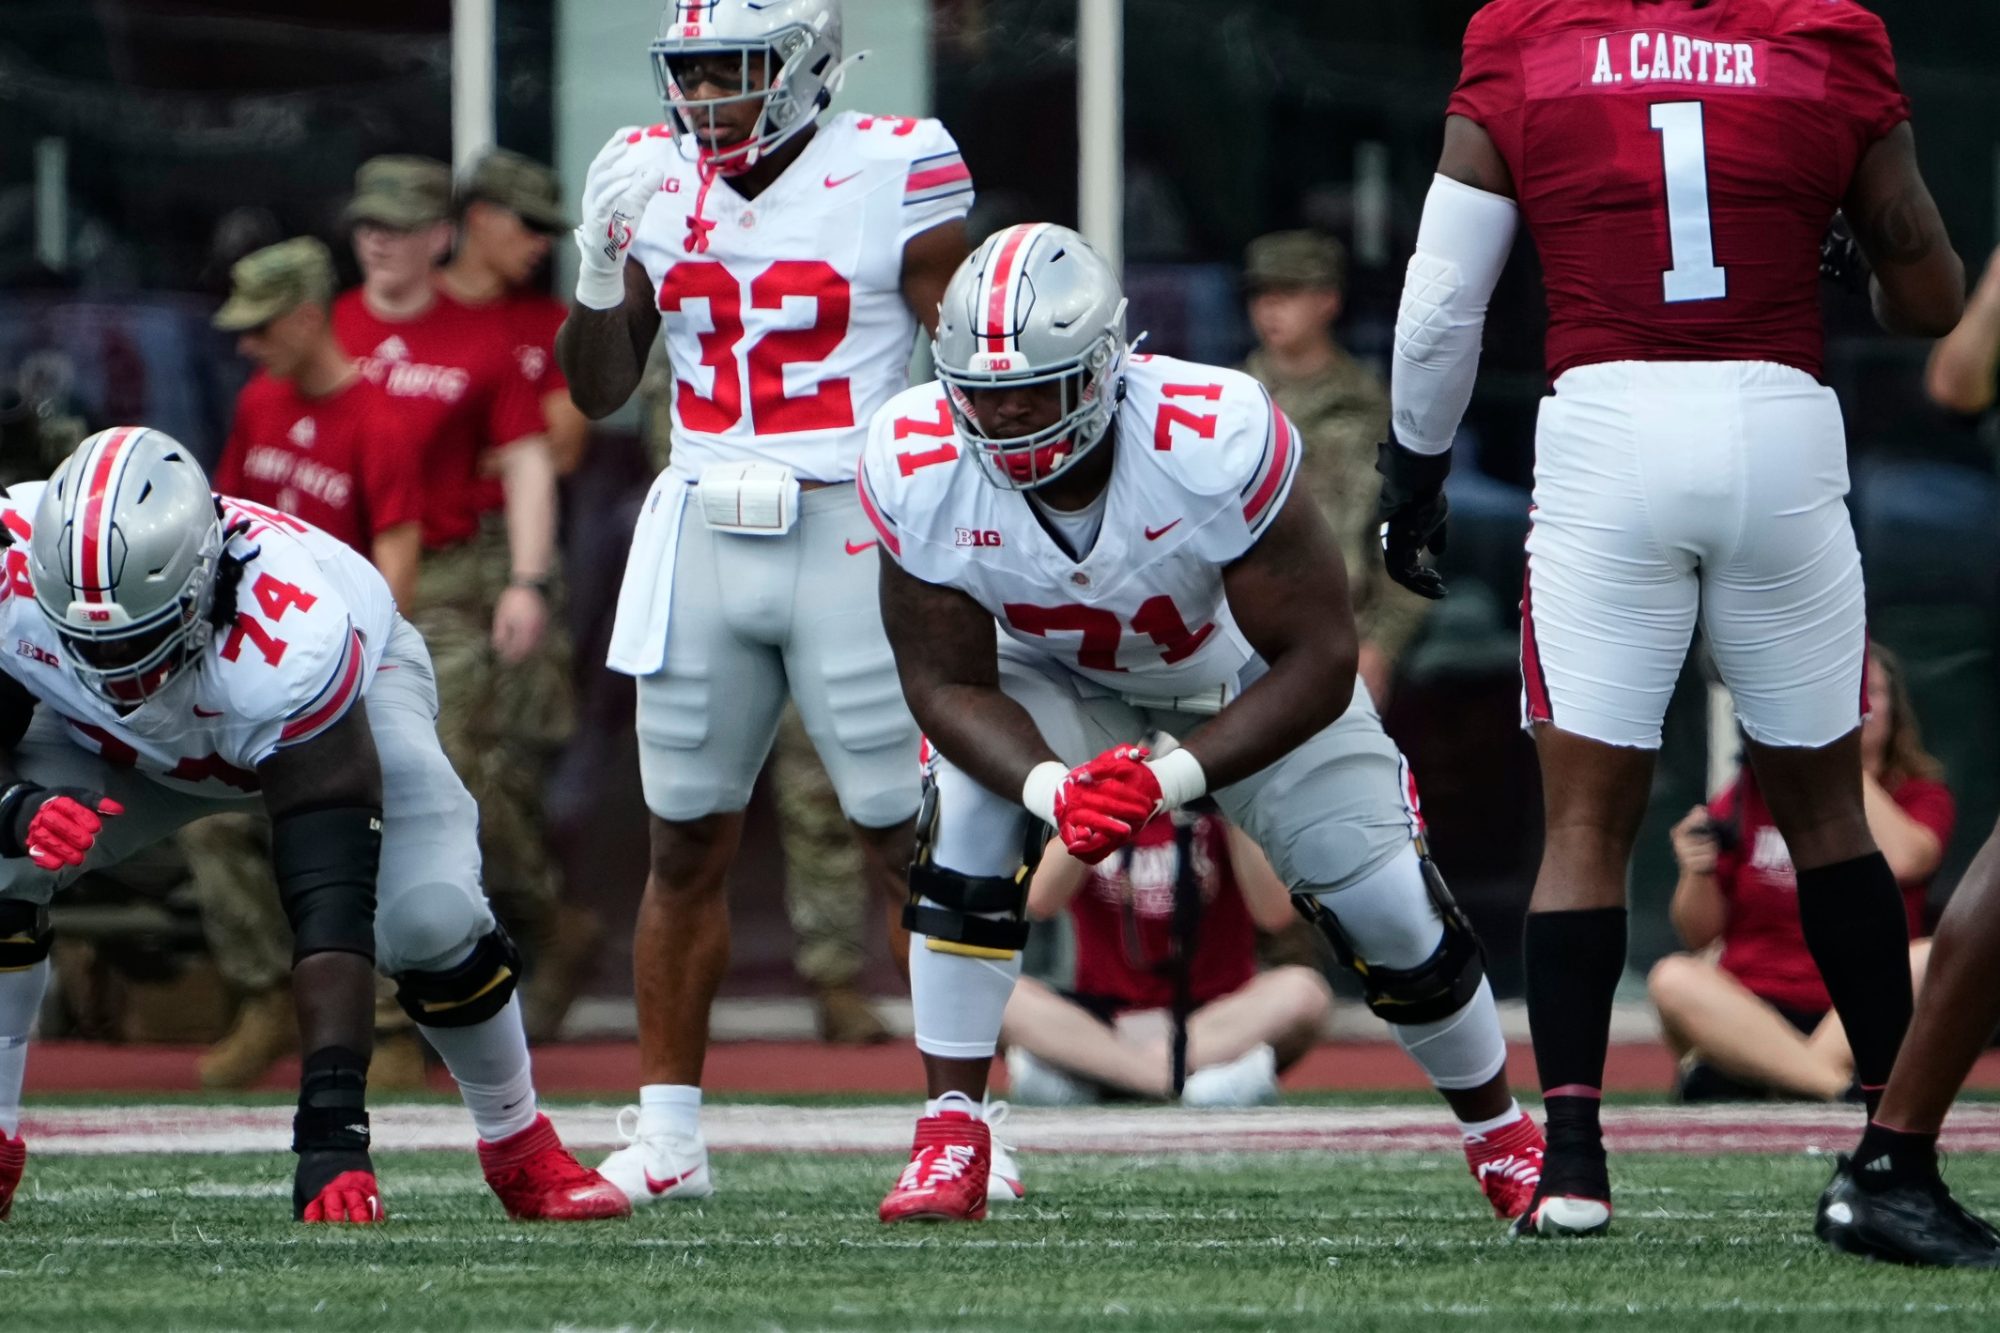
<point>351,1196</point>
<point>1103,803</point>
<point>57,827</point>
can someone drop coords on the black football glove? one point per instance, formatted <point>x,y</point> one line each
<point>1840,259</point>
<point>1412,512</point>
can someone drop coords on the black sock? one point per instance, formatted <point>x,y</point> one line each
<point>1574,961</point>
<point>1859,935</point>
<point>1907,1154</point>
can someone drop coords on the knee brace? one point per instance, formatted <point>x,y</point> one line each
<point>1434,989</point>
<point>957,918</point>
<point>468,994</point>
<point>326,863</point>
<point>24,935</point>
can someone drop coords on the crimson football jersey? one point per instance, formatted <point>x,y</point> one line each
<point>1678,166</point>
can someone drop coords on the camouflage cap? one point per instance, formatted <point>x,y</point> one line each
<point>519,184</point>
<point>275,281</point>
<point>1295,259</point>
<point>401,192</point>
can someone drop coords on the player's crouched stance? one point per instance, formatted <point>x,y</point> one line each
<point>181,654</point>
<point>1128,522</point>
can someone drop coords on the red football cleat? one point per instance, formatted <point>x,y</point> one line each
<point>1508,1165</point>
<point>947,1175</point>
<point>13,1160</point>
<point>351,1196</point>
<point>538,1181</point>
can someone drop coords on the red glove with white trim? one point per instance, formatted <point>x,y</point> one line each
<point>1101,805</point>
<point>55,827</point>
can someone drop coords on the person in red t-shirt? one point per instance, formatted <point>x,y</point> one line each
<point>508,207</point>
<point>1755,1017</point>
<point>1112,1030</point>
<point>312,437</point>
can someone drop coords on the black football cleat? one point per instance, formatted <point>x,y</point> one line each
<point>1902,1219</point>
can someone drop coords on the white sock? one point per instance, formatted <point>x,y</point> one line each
<point>958,1001</point>
<point>20,1001</point>
<point>1479,1128</point>
<point>669,1108</point>
<point>490,1063</point>
<point>955,1101</point>
<point>1464,1050</point>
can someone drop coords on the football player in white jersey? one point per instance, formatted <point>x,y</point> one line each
<point>791,263</point>
<point>1082,547</point>
<point>174,654</point>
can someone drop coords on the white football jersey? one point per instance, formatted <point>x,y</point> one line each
<point>1204,463</point>
<point>312,619</point>
<point>784,315</point>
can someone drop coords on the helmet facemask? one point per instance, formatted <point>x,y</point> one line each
<point>778,63</point>
<point>128,667</point>
<point>1088,386</point>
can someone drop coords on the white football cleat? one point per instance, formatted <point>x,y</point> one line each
<point>654,1167</point>
<point>1565,1215</point>
<point>1003,1179</point>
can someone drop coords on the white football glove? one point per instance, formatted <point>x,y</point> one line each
<point>621,183</point>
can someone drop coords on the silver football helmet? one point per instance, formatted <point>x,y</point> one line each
<point>1033,305</point>
<point>123,559</point>
<point>798,45</point>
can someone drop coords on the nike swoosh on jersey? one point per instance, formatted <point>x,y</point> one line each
<point>856,548</point>
<point>199,711</point>
<point>1154,534</point>
<point>833,184</point>
<point>662,1186</point>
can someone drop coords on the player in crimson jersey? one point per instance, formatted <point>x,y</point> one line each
<point>1083,547</point>
<point>1677,163</point>
<point>789,262</point>
<point>182,654</point>
<point>313,437</point>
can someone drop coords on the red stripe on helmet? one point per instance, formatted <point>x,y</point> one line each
<point>1004,274</point>
<point>96,542</point>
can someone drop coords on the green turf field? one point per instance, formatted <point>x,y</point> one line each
<point>1236,1241</point>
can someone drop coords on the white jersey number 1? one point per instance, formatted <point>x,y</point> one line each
<point>1684,146</point>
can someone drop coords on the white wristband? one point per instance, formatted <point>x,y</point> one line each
<point>1038,793</point>
<point>1181,779</point>
<point>598,290</point>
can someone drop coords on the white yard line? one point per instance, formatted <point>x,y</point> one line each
<point>758,1128</point>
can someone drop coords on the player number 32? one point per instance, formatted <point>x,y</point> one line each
<point>829,406</point>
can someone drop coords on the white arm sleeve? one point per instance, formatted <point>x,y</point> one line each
<point>1462,245</point>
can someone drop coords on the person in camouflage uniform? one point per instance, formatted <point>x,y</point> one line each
<point>1296,283</point>
<point>826,889</point>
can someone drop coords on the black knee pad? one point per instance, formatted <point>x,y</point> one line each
<point>1434,989</point>
<point>954,919</point>
<point>466,995</point>
<point>24,935</point>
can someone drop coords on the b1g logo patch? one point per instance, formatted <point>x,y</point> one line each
<point>34,652</point>
<point>978,537</point>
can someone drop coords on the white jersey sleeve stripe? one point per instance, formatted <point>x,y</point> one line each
<point>938,177</point>
<point>333,701</point>
<point>874,512</point>
<point>1265,493</point>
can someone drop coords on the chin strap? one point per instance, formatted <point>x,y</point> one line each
<point>698,226</point>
